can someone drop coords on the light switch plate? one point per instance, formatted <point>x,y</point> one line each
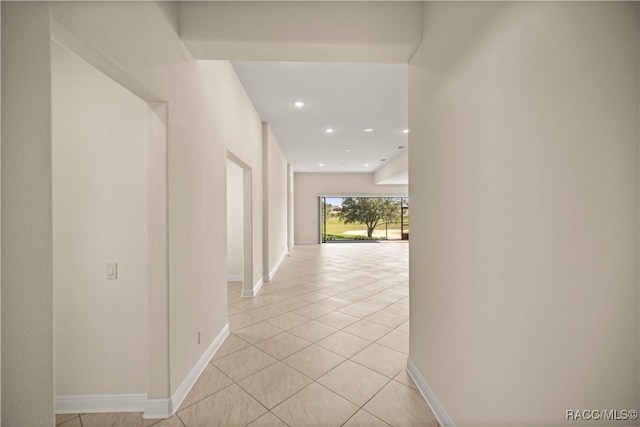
<point>112,271</point>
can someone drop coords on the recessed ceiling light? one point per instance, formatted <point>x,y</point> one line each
<point>400,147</point>
<point>348,150</point>
<point>405,131</point>
<point>366,164</point>
<point>367,130</point>
<point>383,160</point>
<point>321,164</point>
<point>299,104</point>
<point>329,130</point>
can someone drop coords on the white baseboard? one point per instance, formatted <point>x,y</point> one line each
<point>253,292</point>
<point>234,278</point>
<point>185,387</point>
<point>436,407</point>
<point>257,286</point>
<point>138,402</point>
<point>158,408</point>
<point>92,403</point>
<point>272,273</point>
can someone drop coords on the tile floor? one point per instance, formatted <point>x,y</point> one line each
<point>324,343</point>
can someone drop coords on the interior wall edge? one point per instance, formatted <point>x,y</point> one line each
<point>192,377</point>
<point>429,396</point>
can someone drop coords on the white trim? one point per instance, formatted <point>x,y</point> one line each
<point>138,402</point>
<point>276,267</point>
<point>234,278</point>
<point>157,408</point>
<point>185,387</point>
<point>257,286</point>
<point>307,243</point>
<point>91,403</point>
<point>436,407</point>
<point>253,292</point>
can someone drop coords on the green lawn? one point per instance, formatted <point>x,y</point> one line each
<point>337,228</point>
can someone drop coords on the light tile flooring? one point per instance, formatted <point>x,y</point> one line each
<point>324,343</point>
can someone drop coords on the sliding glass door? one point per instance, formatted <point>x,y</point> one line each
<point>348,219</point>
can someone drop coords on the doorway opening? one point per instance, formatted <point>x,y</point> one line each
<point>239,226</point>
<point>234,225</point>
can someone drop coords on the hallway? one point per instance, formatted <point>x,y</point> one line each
<point>324,343</point>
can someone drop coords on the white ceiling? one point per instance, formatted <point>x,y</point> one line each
<point>347,97</point>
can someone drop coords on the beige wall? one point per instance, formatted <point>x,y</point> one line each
<point>27,291</point>
<point>276,207</point>
<point>379,31</point>
<point>99,158</point>
<point>309,186</point>
<point>524,175</point>
<point>290,207</point>
<point>394,172</point>
<point>241,131</point>
<point>0,249</point>
<point>208,112</point>
<point>234,221</point>
<point>147,56</point>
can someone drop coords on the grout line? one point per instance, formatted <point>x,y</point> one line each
<point>182,408</point>
<point>281,420</point>
<point>180,419</point>
<point>318,290</point>
<point>360,407</point>
<point>257,400</point>
<point>364,410</point>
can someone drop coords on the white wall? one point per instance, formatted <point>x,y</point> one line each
<point>524,171</point>
<point>99,173</point>
<point>276,180</point>
<point>308,186</point>
<point>234,221</point>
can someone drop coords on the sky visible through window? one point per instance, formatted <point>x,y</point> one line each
<point>334,201</point>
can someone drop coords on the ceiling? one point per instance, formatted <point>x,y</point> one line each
<point>346,97</point>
